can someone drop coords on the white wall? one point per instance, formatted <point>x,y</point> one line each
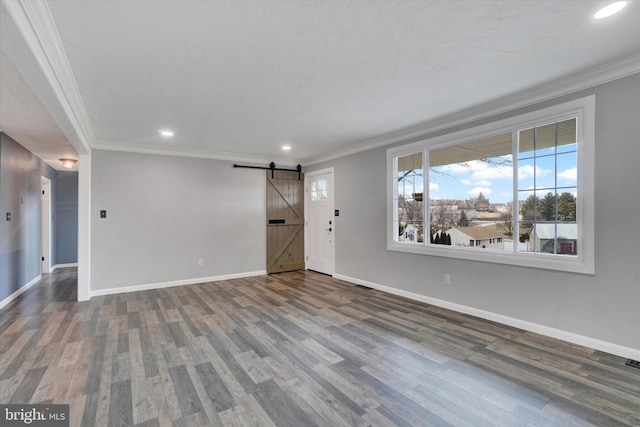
<point>164,213</point>
<point>604,307</point>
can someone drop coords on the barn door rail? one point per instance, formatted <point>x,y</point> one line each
<point>272,167</point>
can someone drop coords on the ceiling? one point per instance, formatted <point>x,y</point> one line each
<point>25,119</point>
<point>239,79</point>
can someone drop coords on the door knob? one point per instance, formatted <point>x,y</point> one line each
<point>327,229</point>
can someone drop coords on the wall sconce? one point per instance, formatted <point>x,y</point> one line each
<point>68,163</point>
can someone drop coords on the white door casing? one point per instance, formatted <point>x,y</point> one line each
<point>319,221</point>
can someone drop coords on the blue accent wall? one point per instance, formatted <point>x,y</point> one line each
<point>66,217</point>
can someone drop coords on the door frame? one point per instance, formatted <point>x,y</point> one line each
<point>307,206</point>
<point>45,225</point>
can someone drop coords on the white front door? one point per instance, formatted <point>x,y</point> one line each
<point>320,221</point>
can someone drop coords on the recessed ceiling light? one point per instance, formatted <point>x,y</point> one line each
<point>165,132</point>
<point>68,163</point>
<point>610,9</point>
<point>286,147</point>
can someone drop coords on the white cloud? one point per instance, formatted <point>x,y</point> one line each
<point>457,168</point>
<point>484,182</point>
<point>569,175</point>
<point>477,190</point>
<point>506,195</point>
<point>499,167</point>
<point>527,171</point>
<point>465,182</point>
<point>434,186</point>
<point>494,172</point>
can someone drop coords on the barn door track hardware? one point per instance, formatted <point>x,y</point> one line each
<point>272,167</point>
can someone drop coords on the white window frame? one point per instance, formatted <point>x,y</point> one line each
<point>584,262</point>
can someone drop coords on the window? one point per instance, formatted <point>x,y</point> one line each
<point>409,223</point>
<point>547,187</point>
<point>319,190</point>
<point>518,191</point>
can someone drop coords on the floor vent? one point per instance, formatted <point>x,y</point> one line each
<point>633,363</point>
<point>364,287</point>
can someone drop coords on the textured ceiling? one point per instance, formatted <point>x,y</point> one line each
<point>240,79</point>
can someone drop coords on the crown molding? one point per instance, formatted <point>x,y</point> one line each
<point>36,25</point>
<point>190,152</point>
<point>586,79</point>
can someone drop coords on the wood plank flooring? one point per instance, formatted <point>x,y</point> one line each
<point>295,349</point>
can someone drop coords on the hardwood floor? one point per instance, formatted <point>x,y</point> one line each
<point>295,349</point>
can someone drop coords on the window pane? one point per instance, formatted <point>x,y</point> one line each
<point>318,190</point>
<point>545,172</point>
<point>548,214</point>
<point>529,205</point>
<point>526,140</point>
<point>570,148</point>
<point>409,204</point>
<point>545,140</point>
<point>471,191</point>
<point>557,137</point>
<point>567,205</point>
<point>567,169</point>
<point>567,136</point>
<point>526,174</point>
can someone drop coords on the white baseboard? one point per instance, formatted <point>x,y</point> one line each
<point>607,347</point>
<point>149,286</point>
<point>17,293</point>
<point>74,264</point>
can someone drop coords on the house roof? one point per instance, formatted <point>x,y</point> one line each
<point>481,232</point>
<point>565,231</point>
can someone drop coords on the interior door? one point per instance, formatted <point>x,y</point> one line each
<point>320,221</point>
<point>285,219</point>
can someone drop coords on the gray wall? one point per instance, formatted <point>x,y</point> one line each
<point>164,213</point>
<point>20,174</point>
<point>66,217</point>
<point>605,306</point>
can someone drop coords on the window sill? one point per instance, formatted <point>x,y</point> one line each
<point>564,263</point>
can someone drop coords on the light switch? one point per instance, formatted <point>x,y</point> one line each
<point>103,214</point>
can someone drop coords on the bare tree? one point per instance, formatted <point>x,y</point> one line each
<point>443,215</point>
<point>506,223</point>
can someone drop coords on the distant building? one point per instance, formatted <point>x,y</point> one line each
<point>487,236</point>
<point>543,237</point>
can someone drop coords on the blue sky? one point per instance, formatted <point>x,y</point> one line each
<point>494,178</point>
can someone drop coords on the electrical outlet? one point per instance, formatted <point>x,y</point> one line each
<point>200,261</point>
<point>447,279</point>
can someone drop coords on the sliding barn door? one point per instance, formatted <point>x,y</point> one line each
<point>285,220</point>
